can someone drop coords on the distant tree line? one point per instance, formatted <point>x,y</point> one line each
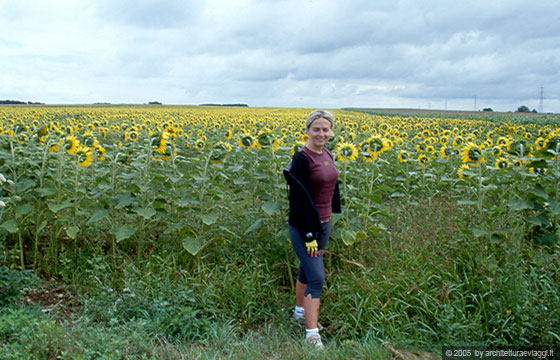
<point>245,105</point>
<point>525,109</point>
<point>521,109</point>
<point>18,102</point>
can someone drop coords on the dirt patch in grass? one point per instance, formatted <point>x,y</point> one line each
<point>51,298</point>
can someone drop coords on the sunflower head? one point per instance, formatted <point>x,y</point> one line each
<point>403,156</point>
<point>458,141</point>
<point>497,151</point>
<point>445,152</point>
<point>220,151</point>
<point>199,144</point>
<point>375,144</point>
<point>71,144</point>
<point>89,140</point>
<point>423,160</point>
<point>296,147</point>
<point>162,143</point>
<point>246,141</point>
<point>471,153</point>
<point>519,148</point>
<point>131,135</point>
<point>100,153</point>
<point>84,156</point>
<point>21,138</point>
<point>264,138</point>
<point>553,143</point>
<point>502,163</point>
<point>346,152</point>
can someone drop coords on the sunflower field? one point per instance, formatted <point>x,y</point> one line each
<point>89,192</point>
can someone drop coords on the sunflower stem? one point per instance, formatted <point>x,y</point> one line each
<point>38,220</point>
<point>204,183</point>
<point>346,217</point>
<point>15,196</point>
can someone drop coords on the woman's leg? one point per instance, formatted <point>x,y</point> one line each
<point>300,291</point>
<point>311,306</point>
<point>311,275</point>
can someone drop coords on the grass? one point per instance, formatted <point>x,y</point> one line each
<point>422,283</point>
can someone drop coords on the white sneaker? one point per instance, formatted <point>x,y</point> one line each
<point>315,340</point>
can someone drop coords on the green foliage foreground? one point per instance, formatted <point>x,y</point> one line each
<point>420,284</point>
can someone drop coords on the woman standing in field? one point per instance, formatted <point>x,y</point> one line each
<point>314,195</point>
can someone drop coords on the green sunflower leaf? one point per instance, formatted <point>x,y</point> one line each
<point>478,232</point>
<point>271,207</point>
<point>257,224</point>
<point>239,181</point>
<point>72,231</point>
<point>23,210</point>
<point>123,200</point>
<point>97,215</point>
<point>186,201</point>
<point>57,207</point>
<point>554,207</point>
<point>519,204</point>
<point>348,237</point>
<point>208,219</point>
<point>539,191</point>
<point>192,245</point>
<point>540,220</point>
<point>122,232</point>
<point>10,226</point>
<point>146,213</point>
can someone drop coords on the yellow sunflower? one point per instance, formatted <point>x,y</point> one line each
<point>264,139</point>
<point>445,152</point>
<point>346,152</point>
<point>296,147</point>
<point>403,156</point>
<point>471,153</point>
<point>131,135</point>
<point>162,144</point>
<point>423,160</point>
<point>199,144</point>
<point>84,156</point>
<point>501,163</point>
<point>504,141</point>
<point>220,151</point>
<point>71,144</point>
<point>100,152</point>
<point>458,141</point>
<point>497,151</point>
<point>246,141</point>
<point>57,146</point>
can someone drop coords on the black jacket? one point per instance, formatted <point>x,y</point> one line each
<point>303,212</point>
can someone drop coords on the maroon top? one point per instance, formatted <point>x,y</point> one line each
<point>323,176</point>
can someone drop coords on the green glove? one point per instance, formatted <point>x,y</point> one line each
<point>312,246</point>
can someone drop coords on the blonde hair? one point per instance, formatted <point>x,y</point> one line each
<point>317,114</point>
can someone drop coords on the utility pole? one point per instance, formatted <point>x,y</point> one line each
<point>474,108</point>
<point>541,101</point>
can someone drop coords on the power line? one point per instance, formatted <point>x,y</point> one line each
<point>541,101</point>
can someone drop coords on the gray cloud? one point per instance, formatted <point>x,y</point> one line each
<point>283,53</point>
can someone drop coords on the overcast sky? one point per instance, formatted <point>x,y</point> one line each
<point>431,54</point>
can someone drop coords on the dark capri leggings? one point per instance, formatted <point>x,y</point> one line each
<point>311,269</point>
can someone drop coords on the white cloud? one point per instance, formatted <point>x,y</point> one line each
<point>283,53</point>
